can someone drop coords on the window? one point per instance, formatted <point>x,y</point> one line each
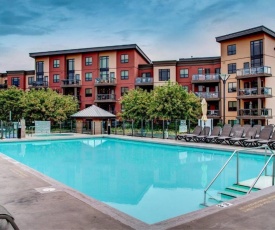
<point>124,58</point>
<point>185,87</point>
<point>124,74</point>
<point>231,49</point>
<point>200,70</point>
<point>232,68</point>
<point>148,74</point>
<point>164,74</point>
<point>56,78</point>
<point>217,70</point>
<point>56,63</point>
<point>70,69</point>
<point>88,92</point>
<point>256,53</point>
<point>184,73</point>
<point>39,67</point>
<point>232,106</point>
<point>124,90</point>
<point>15,81</point>
<point>88,61</point>
<point>207,71</point>
<point>246,65</point>
<point>30,80</point>
<point>88,76</point>
<point>104,62</point>
<point>232,87</point>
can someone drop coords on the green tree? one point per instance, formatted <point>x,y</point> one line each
<point>171,101</point>
<point>48,105</point>
<point>135,104</point>
<point>11,100</point>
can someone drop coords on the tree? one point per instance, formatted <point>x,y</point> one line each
<point>135,104</point>
<point>48,105</point>
<point>172,101</point>
<point>11,102</point>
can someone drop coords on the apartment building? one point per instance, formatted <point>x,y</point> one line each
<point>101,75</point>
<point>249,58</point>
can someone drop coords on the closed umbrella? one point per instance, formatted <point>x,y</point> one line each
<point>204,111</point>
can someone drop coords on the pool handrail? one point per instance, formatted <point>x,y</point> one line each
<point>237,169</point>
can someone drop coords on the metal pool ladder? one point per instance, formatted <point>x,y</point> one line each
<point>236,152</point>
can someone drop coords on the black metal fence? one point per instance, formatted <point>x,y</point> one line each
<point>165,129</point>
<point>8,129</point>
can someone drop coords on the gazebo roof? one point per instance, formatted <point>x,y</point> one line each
<point>93,112</point>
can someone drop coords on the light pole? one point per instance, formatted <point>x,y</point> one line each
<point>224,78</point>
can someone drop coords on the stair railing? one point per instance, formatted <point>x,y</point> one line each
<point>237,167</point>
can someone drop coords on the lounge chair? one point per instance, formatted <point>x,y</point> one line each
<point>266,142</point>
<point>4,214</point>
<point>248,134</point>
<point>188,137</point>
<point>264,135</point>
<point>225,132</point>
<point>236,132</point>
<point>258,128</point>
<point>204,133</point>
<point>214,133</point>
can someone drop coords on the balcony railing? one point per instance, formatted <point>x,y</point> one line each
<point>205,77</point>
<point>104,97</point>
<point>70,83</point>
<point>107,80</point>
<point>255,112</point>
<point>213,112</point>
<point>254,71</point>
<point>144,80</point>
<point>266,91</point>
<point>3,86</point>
<point>208,95</point>
<point>39,84</point>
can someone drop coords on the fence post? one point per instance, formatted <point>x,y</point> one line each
<point>2,132</point>
<point>176,130</point>
<point>123,128</point>
<point>163,127</point>
<point>152,128</point>
<point>132,127</point>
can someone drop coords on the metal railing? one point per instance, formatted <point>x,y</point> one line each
<point>144,80</point>
<point>254,91</point>
<point>213,112</point>
<point>207,94</point>
<point>254,71</point>
<point>236,152</point>
<point>205,77</point>
<point>103,97</point>
<point>109,80</point>
<point>70,82</point>
<point>255,112</point>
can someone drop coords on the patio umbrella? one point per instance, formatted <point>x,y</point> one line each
<point>204,111</point>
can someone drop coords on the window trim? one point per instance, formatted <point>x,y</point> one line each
<point>235,88</point>
<point>88,79</point>
<point>184,75</point>
<point>90,94</point>
<point>56,80</point>
<point>124,90</point>
<point>160,74</point>
<point>231,70</point>
<point>56,63</point>
<point>89,62</point>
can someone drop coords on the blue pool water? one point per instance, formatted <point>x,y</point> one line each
<point>150,182</point>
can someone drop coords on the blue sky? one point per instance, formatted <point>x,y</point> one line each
<point>163,29</point>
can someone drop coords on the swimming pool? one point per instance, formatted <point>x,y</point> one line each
<point>150,182</point>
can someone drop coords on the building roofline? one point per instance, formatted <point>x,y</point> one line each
<point>242,33</point>
<point>92,49</point>
<point>20,72</point>
<point>165,62</point>
<point>200,58</point>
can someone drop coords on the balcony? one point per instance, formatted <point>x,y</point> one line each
<point>264,113</point>
<point>213,114</point>
<point>263,71</point>
<point>105,98</point>
<point>144,81</point>
<point>213,96</point>
<point>254,93</point>
<point>39,84</point>
<point>70,83</point>
<point>105,81</point>
<point>205,78</point>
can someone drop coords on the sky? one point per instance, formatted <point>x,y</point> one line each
<point>163,29</point>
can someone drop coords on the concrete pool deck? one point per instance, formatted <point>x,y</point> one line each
<point>38,202</point>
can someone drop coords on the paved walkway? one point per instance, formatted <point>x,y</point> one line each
<point>39,203</point>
